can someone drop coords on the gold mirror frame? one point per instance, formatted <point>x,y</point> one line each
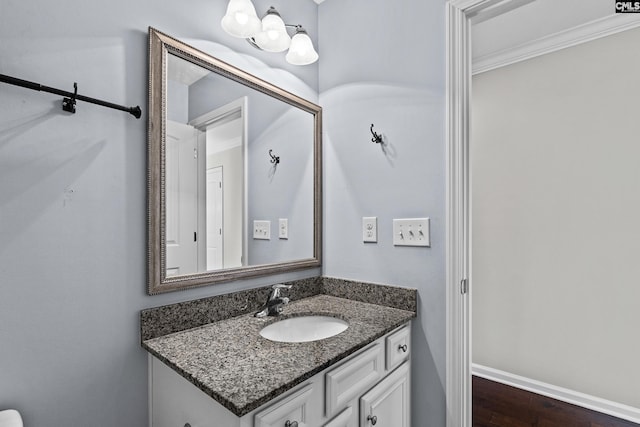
<point>160,45</point>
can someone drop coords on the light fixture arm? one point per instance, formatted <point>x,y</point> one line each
<point>252,40</point>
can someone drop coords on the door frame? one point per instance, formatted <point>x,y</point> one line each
<point>460,69</point>
<point>218,170</point>
<point>458,336</point>
<point>219,115</point>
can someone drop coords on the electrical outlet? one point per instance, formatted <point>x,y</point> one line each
<point>262,230</point>
<point>283,228</point>
<point>369,229</point>
<point>411,232</point>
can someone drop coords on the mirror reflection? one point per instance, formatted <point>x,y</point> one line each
<point>204,179</point>
<point>238,170</point>
<point>209,139</point>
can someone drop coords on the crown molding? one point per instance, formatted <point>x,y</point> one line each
<point>598,28</point>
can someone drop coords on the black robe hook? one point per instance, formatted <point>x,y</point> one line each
<point>274,159</point>
<point>377,138</point>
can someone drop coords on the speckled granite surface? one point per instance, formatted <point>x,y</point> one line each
<point>390,296</point>
<point>167,319</point>
<point>232,363</point>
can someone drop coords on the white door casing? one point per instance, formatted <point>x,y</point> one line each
<point>459,14</point>
<point>214,208</point>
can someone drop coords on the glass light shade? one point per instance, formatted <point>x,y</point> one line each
<point>273,37</point>
<point>241,19</point>
<point>301,51</point>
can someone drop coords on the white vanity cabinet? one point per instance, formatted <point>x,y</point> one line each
<point>369,388</point>
<point>298,409</point>
<point>374,386</point>
<point>344,419</point>
<point>387,404</point>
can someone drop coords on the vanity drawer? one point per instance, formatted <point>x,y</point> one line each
<point>297,407</point>
<point>353,378</point>
<point>398,347</point>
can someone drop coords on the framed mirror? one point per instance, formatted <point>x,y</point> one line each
<point>234,172</point>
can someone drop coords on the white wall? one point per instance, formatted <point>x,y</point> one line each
<point>555,199</point>
<point>382,62</point>
<point>73,199</point>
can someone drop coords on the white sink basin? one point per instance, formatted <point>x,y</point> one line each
<point>304,329</point>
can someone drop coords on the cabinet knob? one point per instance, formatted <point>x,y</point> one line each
<point>403,348</point>
<point>291,424</point>
<point>187,425</point>
<point>373,419</point>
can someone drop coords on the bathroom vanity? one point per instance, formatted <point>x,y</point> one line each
<point>209,364</point>
<point>226,374</point>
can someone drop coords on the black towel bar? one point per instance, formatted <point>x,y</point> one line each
<point>69,102</point>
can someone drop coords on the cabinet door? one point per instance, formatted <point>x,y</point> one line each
<point>352,378</point>
<point>295,408</point>
<point>387,404</point>
<point>346,418</point>
<point>175,402</point>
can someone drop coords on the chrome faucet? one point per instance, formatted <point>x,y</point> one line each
<point>275,303</point>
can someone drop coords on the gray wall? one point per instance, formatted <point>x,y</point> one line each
<point>554,219</point>
<point>382,62</point>
<point>283,191</point>
<point>72,211</point>
<point>73,200</point>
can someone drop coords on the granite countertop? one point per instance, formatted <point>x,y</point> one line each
<point>233,364</point>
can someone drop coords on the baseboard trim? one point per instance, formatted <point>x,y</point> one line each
<point>608,407</point>
<point>583,33</point>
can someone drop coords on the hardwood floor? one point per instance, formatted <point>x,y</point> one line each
<point>499,405</point>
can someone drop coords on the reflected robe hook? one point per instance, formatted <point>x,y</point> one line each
<point>274,159</point>
<point>377,138</point>
<point>69,104</point>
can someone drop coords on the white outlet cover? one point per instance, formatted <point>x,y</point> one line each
<point>283,228</point>
<point>370,229</point>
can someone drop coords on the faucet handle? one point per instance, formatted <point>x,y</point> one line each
<point>275,293</point>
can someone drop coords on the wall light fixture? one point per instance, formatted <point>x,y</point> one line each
<point>269,34</point>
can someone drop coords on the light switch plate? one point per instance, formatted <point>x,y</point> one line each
<point>369,229</point>
<point>411,232</point>
<point>262,230</point>
<point>283,228</point>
